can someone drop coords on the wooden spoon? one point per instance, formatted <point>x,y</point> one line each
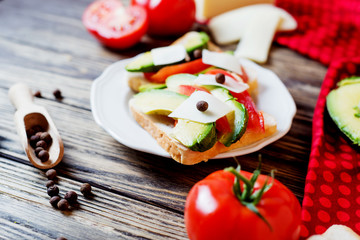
<point>29,115</point>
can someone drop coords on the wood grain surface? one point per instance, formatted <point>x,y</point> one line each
<point>137,195</point>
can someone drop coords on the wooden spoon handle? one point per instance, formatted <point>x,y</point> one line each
<point>20,95</point>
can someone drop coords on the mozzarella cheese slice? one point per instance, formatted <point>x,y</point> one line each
<point>258,37</point>
<point>230,26</point>
<point>168,55</point>
<point>206,9</point>
<point>221,60</point>
<point>230,83</point>
<point>187,110</point>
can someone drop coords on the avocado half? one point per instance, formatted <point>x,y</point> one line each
<point>343,105</point>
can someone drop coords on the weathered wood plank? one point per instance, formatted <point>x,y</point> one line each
<point>26,211</point>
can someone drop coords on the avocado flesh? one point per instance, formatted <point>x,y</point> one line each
<point>350,80</point>
<point>194,135</point>
<point>158,101</point>
<point>144,63</point>
<point>341,104</point>
<point>237,119</point>
<point>150,86</point>
<point>173,82</point>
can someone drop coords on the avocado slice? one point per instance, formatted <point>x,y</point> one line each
<point>343,107</point>
<point>158,101</point>
<point>350,80</point>
<point>237,119</point>
<point>144,63</point>
<point>194,135</point>
<point>174,81</point>
<point>150,86</point>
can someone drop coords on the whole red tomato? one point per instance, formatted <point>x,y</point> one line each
<point>168,17</point>
<point>217,209</point>
<point>114,25</point>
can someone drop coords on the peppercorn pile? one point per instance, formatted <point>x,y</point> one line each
<point>39,140</point>
<point>70,198</point>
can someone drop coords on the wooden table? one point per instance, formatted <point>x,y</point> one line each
<point>137,195</point>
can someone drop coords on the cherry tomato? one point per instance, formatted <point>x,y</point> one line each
<point>213,211</point>
<point>113,25</point>
<point>168,17</point>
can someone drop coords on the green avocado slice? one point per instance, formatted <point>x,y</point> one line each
<point>194,135</point>
<point>343,107</point>
<point>237,119</point>
<point>158,101</point>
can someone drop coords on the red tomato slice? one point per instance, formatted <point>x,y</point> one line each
<point>189,89</point>
<point>255,122</point>
<point>222,125</point>
<point>113,25</point>
<point>188,67</point>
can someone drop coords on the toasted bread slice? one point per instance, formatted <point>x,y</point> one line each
<point>159,127</point>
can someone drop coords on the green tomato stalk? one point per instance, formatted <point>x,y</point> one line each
<point>248,197</point>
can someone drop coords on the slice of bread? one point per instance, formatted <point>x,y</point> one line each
<point>159,127</point>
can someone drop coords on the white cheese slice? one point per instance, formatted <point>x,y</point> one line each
<point>230,26</point>
<point>206,9</point>
<point>187,110</point>
<point>230,83</point>
<point>258,37</point>
<point>221,60</point>
<point>168,55</point>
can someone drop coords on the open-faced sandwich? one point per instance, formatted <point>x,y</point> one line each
<point>196,100</point>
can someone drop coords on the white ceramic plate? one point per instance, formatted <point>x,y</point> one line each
<point>110,95</point>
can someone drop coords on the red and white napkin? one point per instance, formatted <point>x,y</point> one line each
<point>329,32</point>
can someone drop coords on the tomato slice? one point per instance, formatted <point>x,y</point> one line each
<point>192,67</point>
<point>255,121</point>
<point>189,89</point>
<point>222,125</point>
<point>113,25</point>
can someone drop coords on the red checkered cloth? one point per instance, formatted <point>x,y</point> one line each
<point>329,32</point>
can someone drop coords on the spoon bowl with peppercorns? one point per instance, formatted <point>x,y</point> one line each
<point>38,134</point>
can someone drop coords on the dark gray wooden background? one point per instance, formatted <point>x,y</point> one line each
<point>137,195</point>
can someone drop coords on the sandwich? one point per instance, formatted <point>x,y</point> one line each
<point>195,100</point>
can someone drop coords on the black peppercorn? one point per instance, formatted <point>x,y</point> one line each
<point>85,189</point>
<point>61,238</point>
<point>63,205</point>
<point>37,94</point>
<point>33,140</point>
<point>57,94</point>
<point>45,136</point>
<point>198,53</point>
<point>42,144</point>
<point>37,150</point>
<point>54,201</point>
<point>49,183</point>
<point>51,174</point>
<point>43,155</point>
<point>53,191</point>
<point>202,106</point>
<point>220,78</point>
<point>71,197</point>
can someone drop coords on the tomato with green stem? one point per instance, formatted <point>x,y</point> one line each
<point>235,204</point>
